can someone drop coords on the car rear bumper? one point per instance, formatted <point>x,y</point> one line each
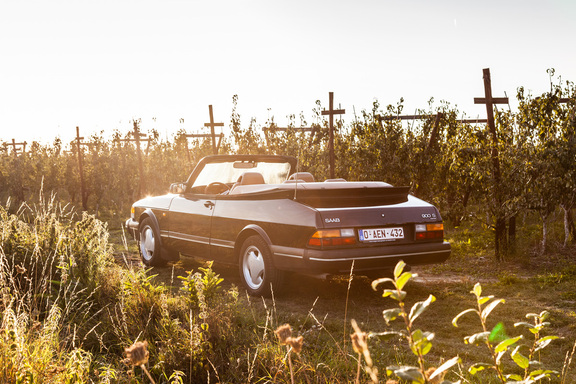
<point>339,261</point>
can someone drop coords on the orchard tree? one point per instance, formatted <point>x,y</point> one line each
<point>549,154</point>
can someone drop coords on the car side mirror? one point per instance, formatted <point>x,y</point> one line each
<point>177,188</point>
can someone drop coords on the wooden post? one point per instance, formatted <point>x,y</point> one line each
<point>203,135</point>
<point>137,136</point>
<point>16,147</point>
<point>83,193</point>
<point>490,101</point>
<point>137,139</point>
<point>212,124</point>
<point>331,112</point>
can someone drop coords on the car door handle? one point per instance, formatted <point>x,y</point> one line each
<point>209,204</point>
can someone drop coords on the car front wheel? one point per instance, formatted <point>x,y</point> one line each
<point>256,270</point>
<point>150,244</point>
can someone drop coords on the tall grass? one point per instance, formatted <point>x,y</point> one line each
<point>69,313</point>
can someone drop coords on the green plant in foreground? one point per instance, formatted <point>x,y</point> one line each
<point>420,342</point>
<point>201,287</point>
<point>486,305</point>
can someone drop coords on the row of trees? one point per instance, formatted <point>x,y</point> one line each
<point>448,163</point>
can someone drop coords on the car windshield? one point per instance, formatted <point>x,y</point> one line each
<point>229,172</point>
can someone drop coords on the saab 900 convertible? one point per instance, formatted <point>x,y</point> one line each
<point>259,213</point>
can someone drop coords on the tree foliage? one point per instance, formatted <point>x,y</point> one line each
<point>444,160</point>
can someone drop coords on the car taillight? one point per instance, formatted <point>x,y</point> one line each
<point>332,238</point>
<point>429,231</point>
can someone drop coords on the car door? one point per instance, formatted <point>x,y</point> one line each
<point>189,224</point>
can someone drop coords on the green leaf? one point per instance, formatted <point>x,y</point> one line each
<point>399,268</point>
<point>458,316</point>
<point>444,367</point>
<point>484,299</point>
<point>411,374</point>
<point>388,335</point>
<point>477,290</point>
<point>477,338</point>
<point>475,368</point>
<point>514,377</point>
<point>543,342</point>
<point>503,346</point>
<point>525,324</point>
<point>540,374</point>
<point>490,307</point>
<point>403,279</point>
<point>544,315</point>
<point>391,314</point>
<point>498,333</point>
<point>419,307</point>
<point>377,282</point>
<point>425,347</point>
<point>421,342</point>
<point>520,360</point>
<point>393,294</point>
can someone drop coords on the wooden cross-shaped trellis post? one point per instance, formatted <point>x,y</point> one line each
<point>331,112</point>
<point>212,134</point>
<point>212,125</point>
<point>489,100</point>
<point>137,139</point>
<point>17,147</point>
<point>83,191</point>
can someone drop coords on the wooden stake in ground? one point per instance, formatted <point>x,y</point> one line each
<point>212,124</point>
<point>331,112</point>
<point>17,147</point>
<point>137,136</point>
<point>83,192</point>
<point>500,237</point>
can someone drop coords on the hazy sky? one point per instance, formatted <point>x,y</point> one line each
<point>99,64</point>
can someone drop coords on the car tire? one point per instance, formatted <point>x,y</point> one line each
<point>149,244</point>
<point>256,270</point>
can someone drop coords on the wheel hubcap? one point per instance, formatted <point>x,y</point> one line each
<point>147,243</point>
<point>253,267</point>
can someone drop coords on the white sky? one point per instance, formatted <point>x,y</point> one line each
<point>99,64</point>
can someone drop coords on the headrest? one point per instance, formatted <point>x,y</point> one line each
<point>248,178</point>
<point>303,176</point>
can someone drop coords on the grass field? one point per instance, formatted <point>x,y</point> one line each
<point>76,305</point>
<point>322,309</point>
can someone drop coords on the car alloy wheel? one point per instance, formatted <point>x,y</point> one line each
<point>253,267</point>
<point>147,243</point>
<point>150,249</point>
<point>256,269</point>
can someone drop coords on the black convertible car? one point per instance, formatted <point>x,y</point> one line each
<point>258,212</point>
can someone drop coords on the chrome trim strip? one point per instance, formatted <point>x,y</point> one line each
<point>192,238</point>
<point>380,256</point>
<point>287,255</point>
<point>222,243</point>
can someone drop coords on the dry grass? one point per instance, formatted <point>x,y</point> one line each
<point>69,312</point>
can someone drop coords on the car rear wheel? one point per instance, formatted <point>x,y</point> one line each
<point>256,270</point>
<point>150,249</point>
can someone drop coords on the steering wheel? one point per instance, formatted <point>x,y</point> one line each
<point>216,187</point>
